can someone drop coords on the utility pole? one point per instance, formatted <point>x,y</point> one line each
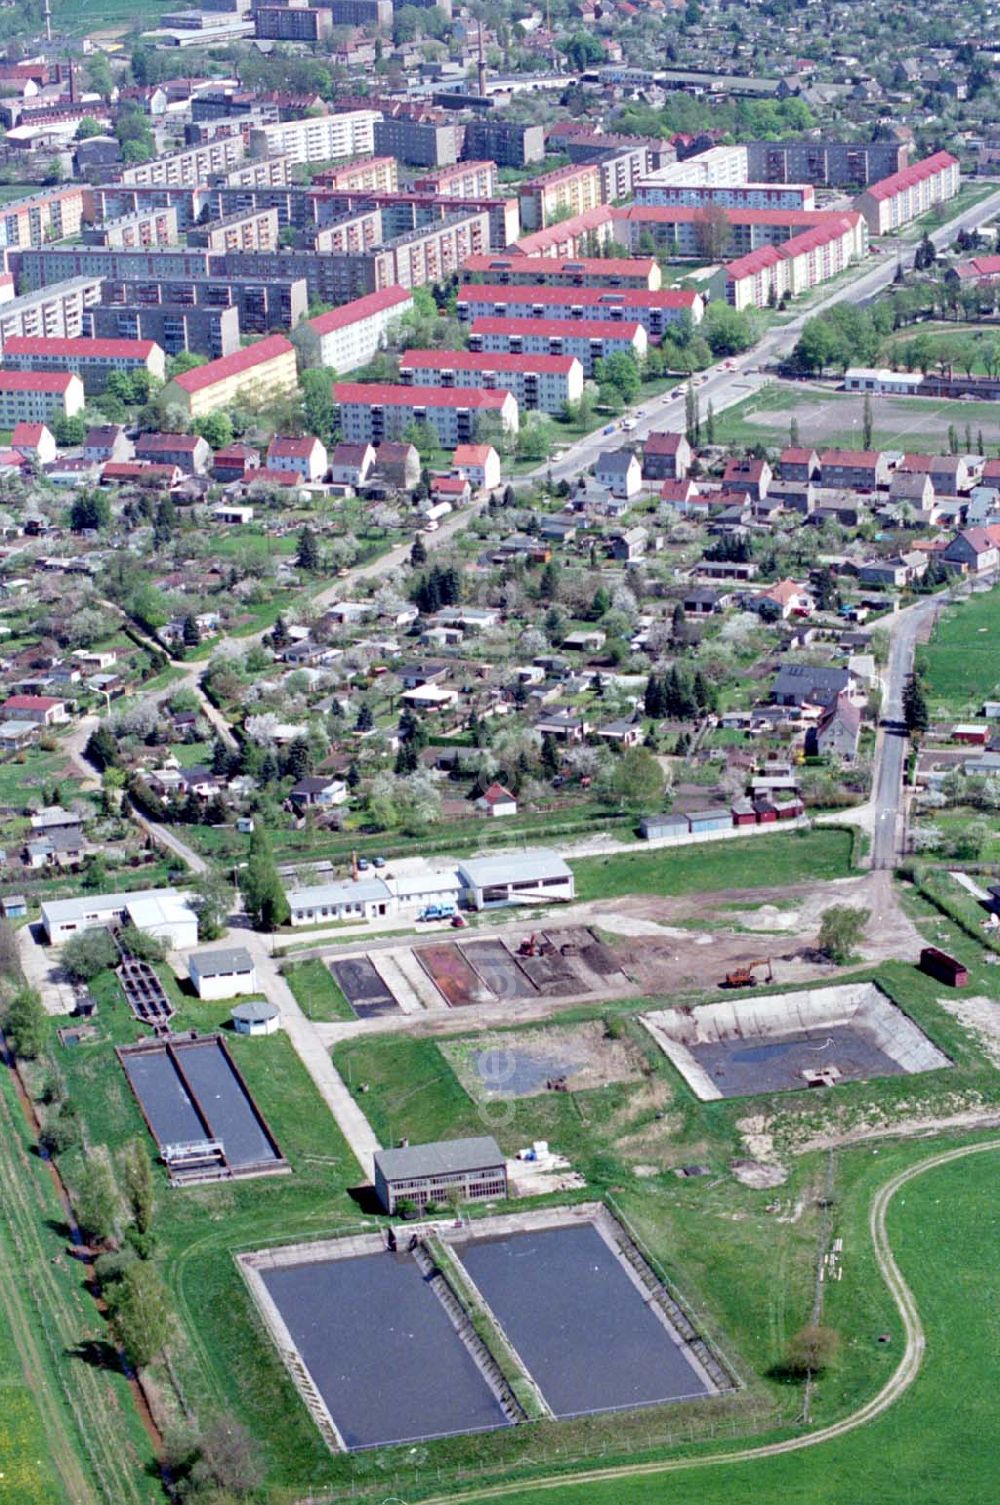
<point>481,65</point>
<point>48,21</point>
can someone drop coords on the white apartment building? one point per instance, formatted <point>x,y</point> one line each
<point>348,336</point>
<point>659,190</point>
<point>374,411</point>
<point>321,138</point>
<point>588,340</point>
<point>904,196</point>
<point>540,382</point>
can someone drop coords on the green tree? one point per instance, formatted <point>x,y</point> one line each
<point>91,510</point>
<point>263,893</point>
<point>418,553</point>
<point>26,1023</point>
<point>190,632</point>
<point>216,429</point>
<point>137,1184</point>
<point>69,431</point>
<point>101,748</point>
<point>89,127</point>
<point>87,954</point>
<point>638,778</point>
<point>141,1318</point>
<point>307,556</point>
<point>97,1202</point>
<point>621,372</point>
<point>811,1350</point>
<point>841,930</point>
<point>915,712</point>
<point>210,899</point>
<point>867,423</point>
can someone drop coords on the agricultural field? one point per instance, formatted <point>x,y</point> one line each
<point>834,419</point>
<point>961,663</point>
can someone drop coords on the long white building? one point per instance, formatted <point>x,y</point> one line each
<point>320,138</point>
<point>896,200</point>
<point>543,383</point>
<point>347,337</point>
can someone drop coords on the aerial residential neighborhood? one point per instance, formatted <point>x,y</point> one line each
<point>499,752</point>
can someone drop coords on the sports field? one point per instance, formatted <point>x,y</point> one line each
<point>828,418</point>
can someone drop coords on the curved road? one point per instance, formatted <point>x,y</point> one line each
<point>900,1381</point>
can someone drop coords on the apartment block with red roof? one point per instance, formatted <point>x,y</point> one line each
<point>38,396</point>
<point>775,272</point>
<point>374,411</point>
<point>655,311</point>
<point>92,360</point>
<point>551,271</point>
<point>347,337</point>
<point>542,383</point>
<point>573,190</point>
<point>904,196</point>
<point>684,231</point>
<point>589,340</point>
<point>255,374</point>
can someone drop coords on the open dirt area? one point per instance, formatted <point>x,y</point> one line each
<point>527,1063</point>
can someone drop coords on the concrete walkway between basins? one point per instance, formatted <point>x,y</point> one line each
<point>313,1054</point>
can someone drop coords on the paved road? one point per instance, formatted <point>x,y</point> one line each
<point>896,1386</point>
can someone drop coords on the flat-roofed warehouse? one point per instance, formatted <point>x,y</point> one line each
<point>223,973</point>
<point>515,878</point>
<point>475,1169</point>
<point>161,911</point>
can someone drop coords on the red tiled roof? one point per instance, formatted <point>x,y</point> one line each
<point>484,360</point>
<point>134,470</point>
<point>271,477</point>
<point>554,235</point>
<point>472,454</point>
<point>917,172</point>
<point>391,395</point>
<point>27,433</point>
<point>978,266</point>
<point>551,266</point>
<point>662,444</point>
<point>360,308</point>
<point>231,365</point>
<point>583,297</point>
<point>36,381</point>
<point>592,329</point>
<point>456,485</point>
<point>31,702</point>
<point>83,348</point>
<point>794,456</point>
<point>293,448</point>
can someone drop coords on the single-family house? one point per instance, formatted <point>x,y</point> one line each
<point>629,545</point>
<point>496,800</point>
<point>235,462</point>
<point>619,470</point>
<point>315,789</point>
<point>106,441</point>
<point>808,684</point>
<point>744,473</point>
<point>665,457</point>
<point>799,464</point>
<point>189,452</point>
<point>351,464</point>
<point>914,488</point>
<point>34,441</point>
<point>397,464</point>
<point>791,599</point>
<point>304,457</point>
<point>975,551</point>
<point>854,469</point>
<point>40,710</point>
<point>837,731</point>
<point>480,463</point>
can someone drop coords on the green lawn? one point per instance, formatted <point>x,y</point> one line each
<point>32,774</point>
<point>317,993</point>
<point>757,862</point>
<point>962,660</point>
<point>938,1442</point>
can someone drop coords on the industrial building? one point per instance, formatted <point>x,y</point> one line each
<point>535,876</point>
<point>469,1170</point>
<point>162,912</point>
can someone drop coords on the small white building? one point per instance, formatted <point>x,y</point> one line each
<point>162,912</point>
<point>224,973</point>
<point>882,381</point>
<point>619,470</point>
<point>257,1018</point>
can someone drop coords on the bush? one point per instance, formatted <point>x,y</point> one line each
<point>812,1350</point>
<point>841,930</point>
<point>26,1023</point>
<point>86,955</point>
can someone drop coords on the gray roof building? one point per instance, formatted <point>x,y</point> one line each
<point>474,1169</point>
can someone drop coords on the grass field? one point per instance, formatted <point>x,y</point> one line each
<point>937,1443</point>
<point>830,418</point>
<point>961,662</point>
<point>317,993</point>
<point>794,857</point>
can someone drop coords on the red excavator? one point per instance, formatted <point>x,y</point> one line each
<point>743,977</point>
